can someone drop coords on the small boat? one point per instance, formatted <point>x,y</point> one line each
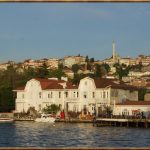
<point>46,118</point>
<point>6,120</point>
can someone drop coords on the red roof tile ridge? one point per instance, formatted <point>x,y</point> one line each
<point>104,82</point>
<point>131,102</point>
<point>51,84</point>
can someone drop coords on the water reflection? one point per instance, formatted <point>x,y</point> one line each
<point>71,135</point>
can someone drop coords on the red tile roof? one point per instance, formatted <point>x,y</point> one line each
<point>71,86</point>
<point>128,102</point>
<point>99,82</point>
<point>51,84</point>
<point>116,84</point>
<point>148,84</point>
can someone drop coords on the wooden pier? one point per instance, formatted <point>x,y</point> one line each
<point>100,122</point>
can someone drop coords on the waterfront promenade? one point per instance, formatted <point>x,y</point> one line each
<point>115,121</point>
<point>99,122</point>
<point>122,122</point>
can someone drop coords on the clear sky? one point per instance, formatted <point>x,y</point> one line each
<point>46,30</point>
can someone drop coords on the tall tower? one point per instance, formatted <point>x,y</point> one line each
<point>114,51</point>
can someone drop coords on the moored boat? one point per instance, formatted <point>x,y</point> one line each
<point>6,119</point>
<point>46,118</point>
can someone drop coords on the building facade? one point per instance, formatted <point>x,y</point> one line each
<point>90,94</point>
<point>68,61</point>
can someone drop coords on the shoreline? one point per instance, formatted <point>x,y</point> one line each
<point>65,121</point>
<point>74,148</point>
<point>101,122</point>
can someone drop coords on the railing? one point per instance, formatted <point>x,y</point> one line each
<point>123,117</point>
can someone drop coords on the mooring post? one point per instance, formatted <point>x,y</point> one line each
<point>127,123</point>
<point>120,124</point>
<point>94,121</point>
<point>146,124</point>
<point>137,123</point>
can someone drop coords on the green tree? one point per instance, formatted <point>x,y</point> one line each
<point>98,72</point>
<point>137,67</point>
<point>91,60</point>
<point>87,59</point>
<point>32,112</point>
<point>141,94</point>
<point>121,70</point>
<point>51,109</point>
<point>89,66</point>
<point>9,80</point>
<point>107,67</point>
<point>43,71</point>
<point>78,77</point>
<point>58,73</point>
<point>108,111</point>
<point>60,66</point>
<point>75,68</point>
<point>7,101</point>
<point>30,73</point>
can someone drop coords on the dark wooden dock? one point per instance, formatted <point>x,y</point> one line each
<point>99,122</point>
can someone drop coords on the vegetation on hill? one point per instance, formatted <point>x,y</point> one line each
<point>121,70</point>
<point>16,76</point>
<point>11,78</point>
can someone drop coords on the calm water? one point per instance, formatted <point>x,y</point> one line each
<point>71,135</point>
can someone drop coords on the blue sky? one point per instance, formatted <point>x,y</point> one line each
<point>46,30</point>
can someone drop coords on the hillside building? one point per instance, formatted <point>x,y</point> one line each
<point>68,61</point>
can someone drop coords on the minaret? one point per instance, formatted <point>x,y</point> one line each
<point>114,51</point>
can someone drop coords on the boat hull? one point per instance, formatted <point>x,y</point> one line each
<point>6,120</point>
<point>51,120</point>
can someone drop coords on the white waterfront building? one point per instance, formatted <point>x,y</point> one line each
<point>132,108</point>
<point>90,94</point>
